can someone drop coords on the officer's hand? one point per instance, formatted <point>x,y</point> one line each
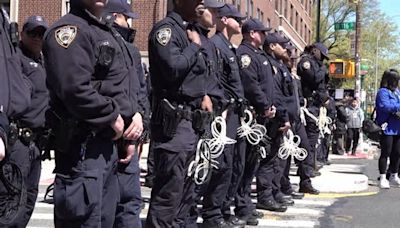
<point>285,127</point>
<point>130,151</point>
<point>224,114</point>
<point>134,130</point>
<point>193,36</point>
<point>207,104</point>
<point>270,113</point>
<point>2,150</point>
<point>118,127</point>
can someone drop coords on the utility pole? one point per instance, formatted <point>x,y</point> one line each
<point>318,20</point>
<point>357,89</point>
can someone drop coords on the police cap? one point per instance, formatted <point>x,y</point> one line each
<point>121,6</point>
<point>276,38</point>
<point>255,25</point>
<point>229,10</point>
<point>33,22</point>
<point>323,49</point>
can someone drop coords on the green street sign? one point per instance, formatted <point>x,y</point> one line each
<point>364,67</point>
<point>345,26</point>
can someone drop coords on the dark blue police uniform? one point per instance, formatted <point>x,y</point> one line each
<point>129,204</point>
<point>235,156</point>
<point>86,74</point>
<point>177,69</point>
<point>256,75</point>
<point>312,73</point>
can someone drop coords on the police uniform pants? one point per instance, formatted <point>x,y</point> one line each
<point>325,146</point>
<point>338,144</point>
<point>86,187</point>
<point>269,171</point>
<point>173,192</point>
<point>150,164</point>
<point>27,158</point>
<point>221,178</point>
<point>243,203</point>
<point>305,167</point>
<point>129,205</point>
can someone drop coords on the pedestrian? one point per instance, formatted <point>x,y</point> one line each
<point>178,72</point>
<point>355,117</point>
<point>340,129</point>
<point>87,77</point>
<point>116,14</point>
<point>387,116</point>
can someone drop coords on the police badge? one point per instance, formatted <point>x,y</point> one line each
<point>246,60</point>
<point>65,35</point>
<point>306,65</point>
<point>163,36</point>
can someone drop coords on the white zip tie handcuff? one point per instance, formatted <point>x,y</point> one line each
<point>322,121</point>
<point>290,147</point>
<point>208,151</point>
<point>250,130</point>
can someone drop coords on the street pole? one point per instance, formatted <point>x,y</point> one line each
<point>357,89</point>
<point>376,63</point>
<point>318,20</point>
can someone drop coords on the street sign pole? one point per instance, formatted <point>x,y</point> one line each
<point>357,89</point>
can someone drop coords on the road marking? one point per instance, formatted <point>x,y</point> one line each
<point>339,195</point>
<point>42,216</point>
<point>43,205</point>
<point>308,202</point>
<point>291,223</point>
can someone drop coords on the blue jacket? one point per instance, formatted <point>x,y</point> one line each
<point>387,105</point>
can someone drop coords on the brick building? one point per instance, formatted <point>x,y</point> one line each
<point>291,17</point>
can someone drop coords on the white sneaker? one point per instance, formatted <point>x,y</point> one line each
<point>384,183</point>
<point>394,180</point>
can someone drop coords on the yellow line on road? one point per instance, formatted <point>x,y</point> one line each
<point>341,195</point>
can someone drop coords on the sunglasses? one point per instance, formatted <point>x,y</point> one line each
<point>34,34</point>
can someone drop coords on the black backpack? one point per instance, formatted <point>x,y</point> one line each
<point>372,130</point>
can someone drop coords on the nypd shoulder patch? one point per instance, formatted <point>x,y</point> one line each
<point>246,60</point>
<point>66,35</point>
<point>163,36</point>
<point>306,65</point>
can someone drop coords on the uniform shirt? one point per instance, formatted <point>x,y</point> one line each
<point>284,94</point>
<point>177,66</point>
<point>81,54</point>
<point>312,73</point>
<point>3,127</point>
<point>32,67</point>
<point>214,69</point>
<point>230,78</point>
<point>256,76</point>
<point>15,88</point>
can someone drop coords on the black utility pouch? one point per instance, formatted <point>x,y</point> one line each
<point>171,118</point>
<point>201,119</point>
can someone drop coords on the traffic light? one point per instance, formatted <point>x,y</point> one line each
<point>340,68</point>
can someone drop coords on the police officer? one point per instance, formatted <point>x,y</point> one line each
<point>88,78</point>
<point>228,24</point>
<point>256,75</point>
<point>178,73</point>
<point>31,123</point>
<point>129,206</point>
<point>312,70</point>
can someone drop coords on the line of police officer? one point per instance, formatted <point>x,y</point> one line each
<point>97,106</point>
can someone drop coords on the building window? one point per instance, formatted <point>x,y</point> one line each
<point>251,8</point>
<point>291,14</point>
<point>268,23</point>
<point>305,33</point>
<point>259,14</point>
<point>262,17</point>
<point>301,28</point>
<point>309,36</point>
<point>65,7</point>
<point>11,7</point>
<point>285,6</point>
<point>310,7</point>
